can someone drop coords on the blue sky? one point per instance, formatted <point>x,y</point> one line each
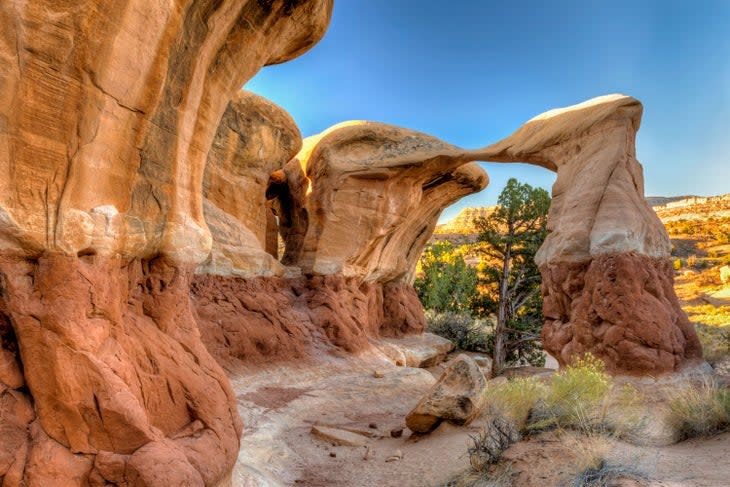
<point>471,72</point>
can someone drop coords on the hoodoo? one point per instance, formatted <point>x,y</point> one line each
<point>108,110</point>
<point>606,273</point>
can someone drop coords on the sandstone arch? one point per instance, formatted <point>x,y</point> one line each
<point>108,112</point>
<point>607,278</point>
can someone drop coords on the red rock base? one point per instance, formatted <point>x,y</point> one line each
<point>621,308</point>
<point>104,379</point>
<point>257,321</point>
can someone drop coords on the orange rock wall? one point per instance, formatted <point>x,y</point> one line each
<point>108,111</point>
<point>621,308</point>
<point>117,375</point>
<point>258,321</point>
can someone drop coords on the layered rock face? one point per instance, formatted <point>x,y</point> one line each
<point>355,208</point>
<point>108,110</point>
<point>372,196</point>
<point>607,279</point>
<point>254,139</point>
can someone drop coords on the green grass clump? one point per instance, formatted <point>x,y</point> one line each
<point>581,397</point>
<point>515,400</point>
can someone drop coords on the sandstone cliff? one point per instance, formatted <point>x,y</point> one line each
<point>108,110</point>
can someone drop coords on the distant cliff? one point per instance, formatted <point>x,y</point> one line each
<point>668,208</point>
<point>463,222</point>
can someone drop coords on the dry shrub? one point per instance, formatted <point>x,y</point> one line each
<point>700,410</point>
<point>487,447</point>
<point>581,397</point>
<point>715,340</point>
<point>593,469</point>
<point>462,329</point>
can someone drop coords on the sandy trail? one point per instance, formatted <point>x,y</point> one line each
<point>279,407</point>
<point>281,404</point>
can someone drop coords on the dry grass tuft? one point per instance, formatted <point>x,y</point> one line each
<point>700,410</point>
<point>581,398</point>
<point>592,465</point>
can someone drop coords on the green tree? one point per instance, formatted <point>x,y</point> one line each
<point>446,283</point>
<point>510,281</point>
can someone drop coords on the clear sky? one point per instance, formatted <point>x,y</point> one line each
<point>471,72</point>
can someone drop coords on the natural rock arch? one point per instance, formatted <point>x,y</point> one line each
<point>364,197</point>
<point>108,112</point>
<point>607,275</point>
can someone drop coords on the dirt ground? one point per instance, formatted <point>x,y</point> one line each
<point>280,406</point>
<point>553,460</point>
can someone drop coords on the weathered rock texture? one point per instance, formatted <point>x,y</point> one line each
<point>261,320</point>
<point>108,110</point>
<point>355,208</point>
<point>365,197</point>
<point>458,397</point>
<point>115,366</point>
<point>607,282</point>
<point>255,139</point>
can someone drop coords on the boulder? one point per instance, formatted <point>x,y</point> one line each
<point>457,396</point>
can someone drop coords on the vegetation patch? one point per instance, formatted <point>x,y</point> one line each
<point>581,397</point>
<point>463,330</point>
<point>700,410</point>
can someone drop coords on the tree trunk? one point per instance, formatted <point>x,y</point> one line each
<point>500,332</point>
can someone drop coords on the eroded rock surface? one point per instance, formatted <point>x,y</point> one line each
<point>262,320</point>
<point>255,138</point>
<point>607,280</point>
<point>355,208</point>
<point>457,397</point>
<point>108,110</point>
<point>367,196</point>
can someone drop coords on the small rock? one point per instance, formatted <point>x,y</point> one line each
<point>396,433</point>
<point>397,455</point>
<point>338,436</point>
<point>373,426</point>
<point>333,454</point>
<point>424,350</point>
<point>369,453</point>
<point>378,374</point>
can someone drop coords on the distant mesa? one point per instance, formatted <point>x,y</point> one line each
<point>463,222</point>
